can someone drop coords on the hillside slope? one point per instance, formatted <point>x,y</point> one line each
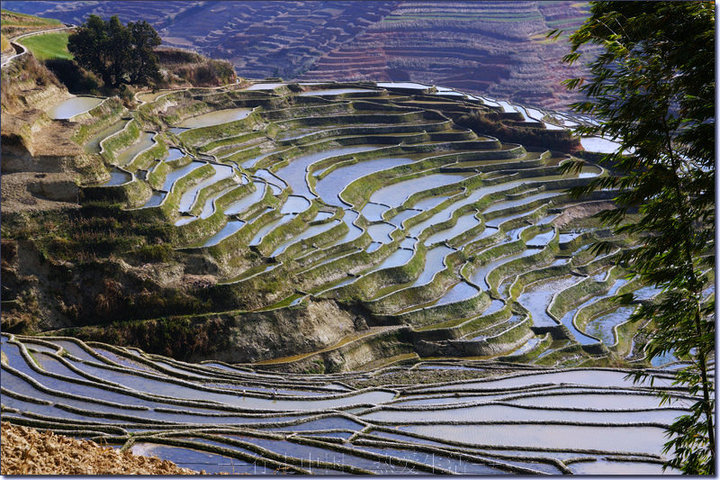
<point>495,48</point>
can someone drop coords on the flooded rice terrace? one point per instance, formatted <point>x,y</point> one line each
<point>484,323</point>
<point>243,420</point>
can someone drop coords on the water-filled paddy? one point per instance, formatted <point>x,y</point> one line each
<point>250,163</point>
<point>429,202</point>
<point>603,326</point>
<point>329,187</point>
<point>464,223</point>
<point>479,275</point>
<point>606,400</point>
<point>93,144</point>
<point>197,460</point>
<point>174,154</point>
<point>209,207</point>
<point>178,173</point>
<point>536,298</point>
<point>395,194</point>
<point>188,197</point>
<point>373,212</point>
<point>434,262</point>
<point>155,199</point>
<point>604,416</point>
<point>605,467</point>
<point>318,259</point>
<point>399,257</point>
<point>600,145</point>
<point>294,174</point>
<point>307,233</point>
<point>399,218</point>
<point>118,177</point>
<point>349,218</point>
<point>73,106</point>
<point>231,227</point>
<point>447,463</point>
<point>143,143</point>
<point>605,333</point>
<point>521,201</point>
<point>294,204</point>
<point>600,378</point>
<point>460,291</point>
<point>497,221</point>
<point>441,216</point>
<point>269,227</point>
<point>507,413</point>
<point>247,201</point>
<point>264,86</point>
<point>334,91</point>
<point>639,440</point>
<point>408,85</point>
<point>323,216</point>
<point>215,118</point>
<point>380,232</point>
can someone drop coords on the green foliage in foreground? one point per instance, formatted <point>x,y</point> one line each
<point>51,46</point>
<point>652,88</point>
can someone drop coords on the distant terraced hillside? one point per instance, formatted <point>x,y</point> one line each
<point>498,48</point>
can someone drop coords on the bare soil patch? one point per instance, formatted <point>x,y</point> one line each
<point>582,210</point>
<point>29,191</point>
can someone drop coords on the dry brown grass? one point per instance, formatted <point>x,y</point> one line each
<point>191,68</point>
<point>4,43</point>
<point>14,23</point>
<point>23,75</point>
<point>26,451</point>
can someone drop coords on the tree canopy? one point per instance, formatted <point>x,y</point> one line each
<point>652,89</point>
<point>120,54</point>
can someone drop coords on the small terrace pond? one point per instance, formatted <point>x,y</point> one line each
<point>73,106</point>
<point>143,143</point>
<point>334,91</point>
<point>118,177</point>
<point>216,117</point>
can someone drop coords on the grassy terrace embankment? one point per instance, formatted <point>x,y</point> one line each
<point>50,46</point>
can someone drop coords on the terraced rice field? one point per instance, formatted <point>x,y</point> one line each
<point>490,47</point>
<point>432,241</point>
<point>221,418</point>
<point>370,194</point>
